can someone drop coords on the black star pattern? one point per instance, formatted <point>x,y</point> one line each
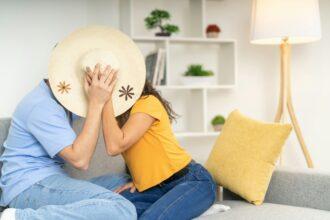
<point>127,93</point>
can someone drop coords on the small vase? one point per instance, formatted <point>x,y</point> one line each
<point>212,34</point>
<point>217,127</point>
<point>163,34</point>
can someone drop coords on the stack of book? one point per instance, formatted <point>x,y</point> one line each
<point>156,67</point>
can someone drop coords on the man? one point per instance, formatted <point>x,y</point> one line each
<point>40,140</point>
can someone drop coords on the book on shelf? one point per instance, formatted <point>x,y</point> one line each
<point>156,67</point>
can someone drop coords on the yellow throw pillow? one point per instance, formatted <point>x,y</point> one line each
<point>244,155</point>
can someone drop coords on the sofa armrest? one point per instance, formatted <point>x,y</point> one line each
<point>303,187</point>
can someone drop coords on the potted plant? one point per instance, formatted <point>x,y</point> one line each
<point>156,20</point>
<point>217,122</point>
<point>197,75</point>
<point>212,31</point>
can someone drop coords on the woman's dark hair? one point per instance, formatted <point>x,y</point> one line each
<point>149,90</point>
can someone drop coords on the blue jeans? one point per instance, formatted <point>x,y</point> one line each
<point>180,198</point>
<point>61,197</point>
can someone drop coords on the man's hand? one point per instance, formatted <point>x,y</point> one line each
<point>122,188</point>
<point>99,85</point>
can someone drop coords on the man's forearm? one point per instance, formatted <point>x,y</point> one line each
<point>84,145</point>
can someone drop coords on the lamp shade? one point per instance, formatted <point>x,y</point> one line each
<point>274,20</point>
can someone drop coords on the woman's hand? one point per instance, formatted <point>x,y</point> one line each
<point>99,85</point>
<point>122,188</point>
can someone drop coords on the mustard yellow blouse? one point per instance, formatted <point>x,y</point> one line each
<point>157,155</point>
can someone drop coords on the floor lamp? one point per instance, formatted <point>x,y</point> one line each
<point>286,22</point>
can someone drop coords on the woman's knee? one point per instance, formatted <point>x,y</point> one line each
<point>209,188</point>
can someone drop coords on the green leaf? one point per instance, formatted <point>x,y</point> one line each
<point>151,22</point>
<point>170,28</point>
<point>218,120</point>
<point>197,70</point>
<point>156,19</point>
<point>160,14</point>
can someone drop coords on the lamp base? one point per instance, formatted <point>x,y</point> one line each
<point>285,99</point>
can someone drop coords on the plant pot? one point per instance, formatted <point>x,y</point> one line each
<point>212,34</point>
<point>198,80</point>
<point>217,127</point>
<point>163,34</point>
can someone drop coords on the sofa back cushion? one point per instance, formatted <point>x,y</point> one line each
<point>4,128</point>
<point>101,162</point>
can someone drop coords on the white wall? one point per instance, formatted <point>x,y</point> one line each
<point>29,29</point>
<point>28,32</point>
<point>258,79</point>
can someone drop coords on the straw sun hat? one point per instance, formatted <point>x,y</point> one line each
<point>87,47</point>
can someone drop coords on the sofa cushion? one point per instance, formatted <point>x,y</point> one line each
<point>243,210</point>
<point>101,163</point>
<point>4,128</point>
<point>243,157</point>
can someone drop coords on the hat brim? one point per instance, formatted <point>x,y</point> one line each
<point>66,76</point>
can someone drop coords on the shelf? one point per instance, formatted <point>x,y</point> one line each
<point>195,104</point>
<point>217,55</point>
<point>183,101</point>
<point>201,40</point>
<point>149,39</point>
<point>184,39</point>
<point>196,134</point>
<point>209,87</point>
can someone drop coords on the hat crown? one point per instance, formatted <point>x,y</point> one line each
<point>101,56</point>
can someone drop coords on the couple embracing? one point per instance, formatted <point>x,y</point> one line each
<point>98,73</point>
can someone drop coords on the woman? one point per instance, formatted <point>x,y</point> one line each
<point>170,185</point>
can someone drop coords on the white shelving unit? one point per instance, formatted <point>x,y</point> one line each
<point>190,46</point>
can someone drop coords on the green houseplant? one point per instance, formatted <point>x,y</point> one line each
<point>197,75</point>
<point>218,121</point>
<point>156,20</point>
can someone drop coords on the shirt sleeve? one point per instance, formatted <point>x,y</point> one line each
<point>149,105</point>
<point>49,124</point>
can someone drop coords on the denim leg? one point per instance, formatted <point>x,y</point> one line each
<point>143,200</point>
<point>100,209</point>
<point>61,197</point>
<point>111,181</point>
<point>186,199</point>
